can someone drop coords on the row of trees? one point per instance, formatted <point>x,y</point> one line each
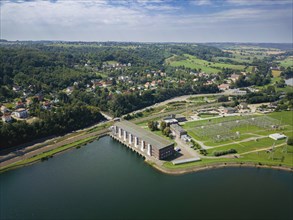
<point>61,121</point>
<point>221,153</point>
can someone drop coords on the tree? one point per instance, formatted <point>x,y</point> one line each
<point>290,141</point>
<point>163,125</point>
<point>166,131</point>
<point>152,125</point>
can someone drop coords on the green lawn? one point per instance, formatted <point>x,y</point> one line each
<point>205,66</point>
<point>286,117</point>
<point>247,146</point>
<point>288,62</point>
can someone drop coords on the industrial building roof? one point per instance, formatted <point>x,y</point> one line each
<point>277,136</point>
<point>151,138</point>
<point>177,128</point>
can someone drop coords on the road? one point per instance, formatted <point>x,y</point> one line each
<point>178,99</point>
<point>160,115</point>
<point>38,151</point>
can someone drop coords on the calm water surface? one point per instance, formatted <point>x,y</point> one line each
<point>105,180</point>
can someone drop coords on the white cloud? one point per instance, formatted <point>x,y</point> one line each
<point>259,2</point>
<point>139,21</point>
<point>201,2</point>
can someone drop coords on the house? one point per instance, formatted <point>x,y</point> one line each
<point>19,104</point>
<point>6,118</point>
<point>170,121</point>
<point>3,109</point>
<point>16,88</point>
<point>224,87</point>
<point>177,130</point>
<point>46,105</point>
<point>178,117</point>
<point>147,85</point>
<point>97,84</point>
<point>153,83</point>
<point>21,113</point>
<point>234,77</point>
<point>39,96</point>
<point>243,105</point>
<point>229,110</point>
<point>69,89</point>
<point>238,92</point>
<point>185,138</point>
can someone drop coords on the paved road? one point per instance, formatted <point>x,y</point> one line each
<point>178,99</point>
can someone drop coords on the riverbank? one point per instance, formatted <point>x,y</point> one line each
<point>166,167</point>
<point>199,168</point>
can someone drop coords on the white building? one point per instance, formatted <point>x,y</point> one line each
<point>277,136</point>
<point>21,113</point>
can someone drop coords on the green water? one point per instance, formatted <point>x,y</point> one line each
<point>105,180</point>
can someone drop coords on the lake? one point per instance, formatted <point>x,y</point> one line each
<point>106,180</point>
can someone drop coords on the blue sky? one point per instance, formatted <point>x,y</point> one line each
<point>148,20</point>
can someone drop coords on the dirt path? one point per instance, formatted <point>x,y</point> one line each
<point>262,149</point>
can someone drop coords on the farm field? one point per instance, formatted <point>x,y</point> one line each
<point>205,66</point>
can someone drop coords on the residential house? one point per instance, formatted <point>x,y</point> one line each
<point>21,113</point>
<point>46,105</point>
<point>153,83</point>
<point>243,105</point>
<point>19,104</point>
<point>6,118</point>
<point>229,110</point>
<point>4,109</point>
<point>224,87</point>
<point>69,89</point>
<point>147,85</point>
<point>234,77</point>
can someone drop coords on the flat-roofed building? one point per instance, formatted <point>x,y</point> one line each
<point>177,130</point>
<point>143,140</point>
<point>277,136</point>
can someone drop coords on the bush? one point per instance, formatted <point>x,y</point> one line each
<point>221,153</point>
<point>203,152</point>
<point>290,141</point>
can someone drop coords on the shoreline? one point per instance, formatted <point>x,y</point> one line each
<point>160,168</point>
<point>212,166</point>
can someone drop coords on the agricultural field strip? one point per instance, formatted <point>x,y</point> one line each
<point>212,67</point>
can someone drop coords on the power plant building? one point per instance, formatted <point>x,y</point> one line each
<point>145,141</point>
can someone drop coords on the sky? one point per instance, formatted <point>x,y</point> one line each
<point>148,20</point>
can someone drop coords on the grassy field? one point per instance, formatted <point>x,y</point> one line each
<point>247,132</point>
<point>276,73</point>
<point>205,66</point>
<point>247,146</point>
<point>288,62</point>
<point>280,158</point>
